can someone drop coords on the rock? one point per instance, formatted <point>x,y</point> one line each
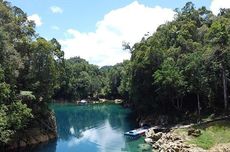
<point>194,132</point>
<point>42,138</point>
<point>191,131</point>
<point>150,133</point>
<point>186,146</point>
<point>34,136</point>
<point>176,138</point>
<point>144,147</point>
<point>171,142</point>
<point>176,149</point>
<point>32,141</point>
<point>221,148</point>
<point>160,141</point>
<point>157,136</point>
<point>155,146</point>
<point>148,140</point>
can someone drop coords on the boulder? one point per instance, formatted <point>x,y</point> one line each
<point>155,146</point>
<point>194,132</point>
<point>150,133</point>
<point>157,136</point>
<point>148,140</point>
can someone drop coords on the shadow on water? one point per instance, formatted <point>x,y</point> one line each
<point>92,128</point>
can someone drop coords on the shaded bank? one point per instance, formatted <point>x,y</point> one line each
<point>34,135</point>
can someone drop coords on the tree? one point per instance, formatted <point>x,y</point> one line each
<point>196,76</point>
<point>170,78</point>
<point>219,39</point>
<point>44,67</point>
<point>27,65</point>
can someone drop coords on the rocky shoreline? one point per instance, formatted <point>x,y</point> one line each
<point>172,142</point>
<point>168,142</point>
<point>30,140</point>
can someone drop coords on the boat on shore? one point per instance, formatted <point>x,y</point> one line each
<point>136,133</point>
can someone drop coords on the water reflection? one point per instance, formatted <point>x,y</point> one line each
<point>91,128</point>
<point>105,138</point>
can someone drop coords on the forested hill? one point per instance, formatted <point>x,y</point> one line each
<point>81,80</point>
<point>184,66</point>
<point>181,70</point>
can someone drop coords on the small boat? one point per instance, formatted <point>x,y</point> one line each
<point>83,101</point>
<point>136,132</point>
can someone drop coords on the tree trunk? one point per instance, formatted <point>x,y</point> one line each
<point>225,90</point>
<point>198,104</point>
<point>181,102</point>
<point>178,103</point>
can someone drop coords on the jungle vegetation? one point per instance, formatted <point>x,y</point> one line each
<point>181,69</point>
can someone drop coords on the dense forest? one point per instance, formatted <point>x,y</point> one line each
<point>182,69</point>
<point>29,73</point>
<point>81,80</point>
<point>184,66</point>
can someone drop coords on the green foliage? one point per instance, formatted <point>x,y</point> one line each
<point>44,71</point>
<point>26,63</point>
<point>79,80</point>
<point>184,60</point>
<point>4,91</point>
<point>184,65</point>
<point>5,132</point>
<point>19,115</point>
<point>13,118</point>
<point>169,75</point>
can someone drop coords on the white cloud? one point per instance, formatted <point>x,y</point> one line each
<point>55,28</point>
<point>56,9</point>
<point>104,46</point>
<point>100,137</point>
<point>36,18</point>
<point>217,4</point>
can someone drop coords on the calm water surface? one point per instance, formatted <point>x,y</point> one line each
<point>93,128</point>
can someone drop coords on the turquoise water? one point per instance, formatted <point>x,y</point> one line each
<point>93,128</point>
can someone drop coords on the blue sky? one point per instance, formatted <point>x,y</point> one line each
<point>95,29</point>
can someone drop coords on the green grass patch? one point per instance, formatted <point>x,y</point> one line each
<point>212,134</point>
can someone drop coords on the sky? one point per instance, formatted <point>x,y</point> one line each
<point>95,29</point>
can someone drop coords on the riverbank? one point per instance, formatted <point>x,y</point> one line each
<point>44,131</point>
<point>90,101</point>
<point>207,137</point>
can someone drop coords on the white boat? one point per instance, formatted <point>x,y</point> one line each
<point>83,101</point>
<point>136,132</point>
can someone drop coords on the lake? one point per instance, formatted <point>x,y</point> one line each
<point>93,128</point>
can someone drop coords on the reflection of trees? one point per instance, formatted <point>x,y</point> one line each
<point>82,118</point>
<point>50,147</point>
<point>119,118</point>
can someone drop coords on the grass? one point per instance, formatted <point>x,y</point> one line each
<point>212,134</point>
<point>205,141</point>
